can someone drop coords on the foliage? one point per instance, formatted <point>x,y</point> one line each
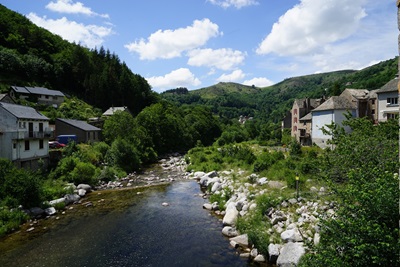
<point>18,186</point>
<point>30,55</point>
<point>10,220</point>
<point>83,173</point>
<point>363,169</point>
<point>123,155</point>
<point>266,160</point>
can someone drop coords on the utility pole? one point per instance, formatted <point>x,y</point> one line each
<point>398,85</point>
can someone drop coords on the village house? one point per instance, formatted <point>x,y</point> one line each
<point>387,101</point>
<point>24,135</point>
<point>112,110</point>
<point>85,132</point>
<point>5,98</point>
<point>301,107</point>
<point>39,95</point>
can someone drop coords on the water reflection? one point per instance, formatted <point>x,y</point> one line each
<point>133,230</point>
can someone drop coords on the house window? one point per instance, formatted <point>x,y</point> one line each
<point>295,120</point>
<point>372,111</point>
<point>372,101</point>
<point>26,145</point>
<point>22,125</point>
<point>47,97</point>
<point>54,98</point>
<point>294,129</point>
<point>41,144</point>
<point>392,101</point>
<point>391,116</point>
<point>295,111</point>
<point>14,145</point>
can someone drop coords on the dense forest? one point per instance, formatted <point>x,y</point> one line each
<point>30,55</point>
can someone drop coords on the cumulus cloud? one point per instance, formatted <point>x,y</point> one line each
<point>224,59</point>
<point>235,76</point>
<point>259,82</point>
<point>182,77</point>
<point>310,25</point>
<point>171,43</point>
<point>235,3</point>
<point>87,35</point>
<point>69,7</point>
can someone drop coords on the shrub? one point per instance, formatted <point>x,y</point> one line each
<point>83,173</point>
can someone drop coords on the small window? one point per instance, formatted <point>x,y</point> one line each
<point>26,145</point>
<point>41,144</point>
<point>373,101</point>
<point>392,101</point>
<point>373,112</point>
<point>14,145</point>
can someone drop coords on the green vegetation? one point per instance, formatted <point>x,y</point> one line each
<point>30,55</point>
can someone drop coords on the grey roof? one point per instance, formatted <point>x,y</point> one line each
<point>80,124</point>
<point>313,102</point>
<point>391,86</point>
<point>23,112</point>
<point>2,96</point>
<point>36,91</point>
<point>112,110</point>
<point>20,89</point>
<point>43,91</point>
<point>307,117</point>
<point>335,102</point>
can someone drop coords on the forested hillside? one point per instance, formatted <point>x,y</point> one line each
<point>270,104</point>
<point>30,55</point>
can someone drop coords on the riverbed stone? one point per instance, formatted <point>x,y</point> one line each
<point>207,206</point>
<point>36,211</point>
<point>292,235</point>
<point>86,187</point>
<point>259,258</point>
<point>231,214</point>
<point>81,192</point>
<point>57,201</point>
<point>71,198</point>
<point>241,240</point>
<point>290,254</point>
<point>50,211</point>
<point>229,231</point>
<point>273,252</point>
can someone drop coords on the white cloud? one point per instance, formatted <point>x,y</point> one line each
<point>224,59</point>
<point>178,78</point>
<point>87,35</point>
<point>235,76</point>
<point>69,7</point>
<point>235,3</point>
<point>259,82</point>
<point>171,43</point>
<point>310,25</point>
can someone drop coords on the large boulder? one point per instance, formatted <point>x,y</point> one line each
<point>290,254</point>
<point>36,211</point>
<point>71,198</point>
<point>229,231</point>
<point>241,240</point>
<point>57,201</point>
<point>273,252</point>
<point>291,235</point>
<point>50,211</point>
<point>231,214</point>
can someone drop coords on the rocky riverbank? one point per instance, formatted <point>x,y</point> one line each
<point>293,223</point>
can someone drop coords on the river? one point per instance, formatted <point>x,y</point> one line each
<point>127,228</point>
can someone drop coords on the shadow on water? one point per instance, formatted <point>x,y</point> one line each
<point>124,228</point>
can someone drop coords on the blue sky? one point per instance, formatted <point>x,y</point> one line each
<point>198,43</point>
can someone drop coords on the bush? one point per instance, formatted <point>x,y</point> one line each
<point>83,173</point>
<point>10,220</point>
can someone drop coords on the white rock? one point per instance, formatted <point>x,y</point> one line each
<point>259,258</point>
<point>290,254</point>
<point>81,192</point>
<point>292,235</point>
<point>229,231</point>
<point>50,211</point>
<point>273,252</point>
<point>241,240</point>
<point>165,204</point>
<point>231,214</point>
<point>207,206</point>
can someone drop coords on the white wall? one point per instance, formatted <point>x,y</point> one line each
<point>383,107</point>
<point>323,118</point>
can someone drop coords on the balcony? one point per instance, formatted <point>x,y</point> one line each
<point>32,135</point>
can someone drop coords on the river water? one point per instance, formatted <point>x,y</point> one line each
<point>124,228</point>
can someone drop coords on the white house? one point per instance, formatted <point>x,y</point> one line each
<point>24,135</point>
<point>332,110</point>
<point>38,95</point>
<point>387,98</point>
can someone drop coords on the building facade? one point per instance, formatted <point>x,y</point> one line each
<point>24,135</point>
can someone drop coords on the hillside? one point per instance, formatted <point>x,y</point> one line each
<point>32,56</point>
<point>269,104</point>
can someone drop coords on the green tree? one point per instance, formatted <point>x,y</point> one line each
<point>363,168</point>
